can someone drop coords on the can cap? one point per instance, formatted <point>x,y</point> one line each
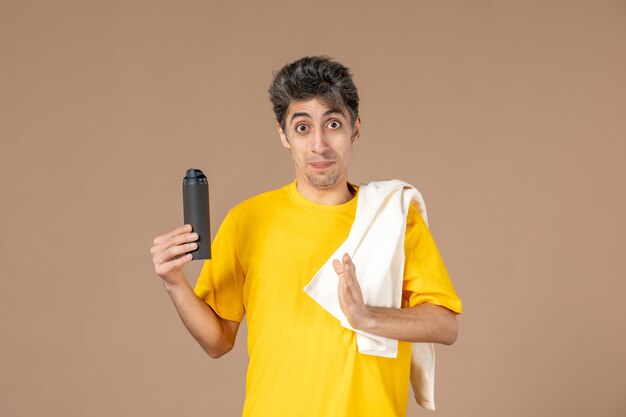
<point>194,176</point>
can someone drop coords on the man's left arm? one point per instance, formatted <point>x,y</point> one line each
<point>425,322</point>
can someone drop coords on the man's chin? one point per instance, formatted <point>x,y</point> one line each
<point>323,182</point>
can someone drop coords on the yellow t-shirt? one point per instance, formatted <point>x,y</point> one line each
<point>302,361</point>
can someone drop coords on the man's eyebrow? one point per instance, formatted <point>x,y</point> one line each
<point>326,113</point>
<point>299,114</point>
<point>334,111</point>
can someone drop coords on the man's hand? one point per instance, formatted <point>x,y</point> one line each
<point>169,253</point>
<point>350,294</point>
<point>421,323</point>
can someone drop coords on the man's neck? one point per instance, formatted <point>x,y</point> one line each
<point>340,193</point>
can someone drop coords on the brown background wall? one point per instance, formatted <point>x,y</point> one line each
<point>509,116</point>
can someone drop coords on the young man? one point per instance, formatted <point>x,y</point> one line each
<point>302,361</point>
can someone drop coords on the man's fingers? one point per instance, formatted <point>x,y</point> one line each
<point>344,296</point>
<point>172,252</point>
<point>174,241</point>
<point>348,265</point>
<point>167,236</point>
<point>178,262</point>
<point>338,267</point>
<point>347,292</point>
<point>350,270</point>
<point>349,289</point>
<point>345,265</point>
<point>350,293</point>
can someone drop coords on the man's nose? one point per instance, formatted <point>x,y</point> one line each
<point>320,145</point>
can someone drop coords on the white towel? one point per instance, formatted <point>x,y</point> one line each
<point>376,246</point>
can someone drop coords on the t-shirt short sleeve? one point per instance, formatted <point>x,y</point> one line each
<point>426,279</point>
<point>220,283</point>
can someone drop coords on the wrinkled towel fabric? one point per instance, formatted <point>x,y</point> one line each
<point>376,245</point>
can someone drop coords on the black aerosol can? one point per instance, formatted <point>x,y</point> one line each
<point>196,208</point>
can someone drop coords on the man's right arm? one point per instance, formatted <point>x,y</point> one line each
<point>169,255</point>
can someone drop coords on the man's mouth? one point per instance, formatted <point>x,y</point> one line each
<point>321,164</point>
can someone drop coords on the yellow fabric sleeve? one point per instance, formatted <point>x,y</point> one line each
<point>220,283</point>
<point>426,279</point>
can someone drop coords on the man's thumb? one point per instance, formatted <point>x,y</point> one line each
<point>338,267</point>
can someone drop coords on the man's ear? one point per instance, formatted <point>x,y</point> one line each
<point>283,138</point>
<point>356,131</point>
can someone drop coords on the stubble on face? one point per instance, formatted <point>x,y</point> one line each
<point>322,179</point>
<point>324,182</point>
<point>310,160</point>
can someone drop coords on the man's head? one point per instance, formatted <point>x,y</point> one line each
<point>313,76</point>
<point>316,105</point>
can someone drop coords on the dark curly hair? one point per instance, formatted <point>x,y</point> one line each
<point>313,76</point>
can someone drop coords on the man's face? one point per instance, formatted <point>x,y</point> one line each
<point>320,139</point>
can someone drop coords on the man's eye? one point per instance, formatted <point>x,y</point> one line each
<point>301,128</point>
<point>334,124</point>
